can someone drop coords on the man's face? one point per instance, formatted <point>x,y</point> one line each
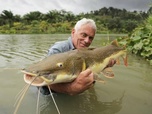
<point>83,37</point>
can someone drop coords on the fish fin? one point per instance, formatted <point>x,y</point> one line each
<point>125,61</point>
<point>83,65</point>
<point>92,48</point>
<point>124,46</point>
<point>115,43</point>
<point>97,78</point>
<point>86,48</point>
<point>108,73</point>
<point>118,61</point>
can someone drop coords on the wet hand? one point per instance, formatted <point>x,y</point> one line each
<point>111,63</point>
<point>83,82</point>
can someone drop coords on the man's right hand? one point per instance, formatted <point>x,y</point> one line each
<point>83,82</point>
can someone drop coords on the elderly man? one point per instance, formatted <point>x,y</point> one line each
<point>82,36</point>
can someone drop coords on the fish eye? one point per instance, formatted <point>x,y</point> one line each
<point>59,65</point>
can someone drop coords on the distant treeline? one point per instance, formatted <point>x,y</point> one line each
<point>112,20</point>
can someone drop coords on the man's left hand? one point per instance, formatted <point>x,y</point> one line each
<point>111,63</point>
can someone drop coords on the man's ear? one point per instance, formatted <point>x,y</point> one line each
<point>73,30</point>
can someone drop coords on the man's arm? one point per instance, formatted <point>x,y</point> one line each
<point>83,82</point>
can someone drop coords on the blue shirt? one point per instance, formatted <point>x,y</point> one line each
<point>61,46</point>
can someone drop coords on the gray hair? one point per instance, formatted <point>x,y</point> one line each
<point>85,21</point>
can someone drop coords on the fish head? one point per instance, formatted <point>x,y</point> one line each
<point>56,68</point>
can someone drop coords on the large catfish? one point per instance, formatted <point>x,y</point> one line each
<point>65,67</point>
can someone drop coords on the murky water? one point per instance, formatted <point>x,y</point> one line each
<point>130,92</point>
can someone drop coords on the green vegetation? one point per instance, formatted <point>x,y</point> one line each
<point>109,19</point>
<point>140,40</point>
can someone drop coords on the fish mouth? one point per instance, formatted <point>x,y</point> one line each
<point>34,80</point>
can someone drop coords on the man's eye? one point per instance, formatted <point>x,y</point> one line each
<point>91,38</point>
<point>84,35</point>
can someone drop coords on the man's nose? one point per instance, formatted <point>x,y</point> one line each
<point>87,39</point>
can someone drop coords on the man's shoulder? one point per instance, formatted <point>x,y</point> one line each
<point>62,46</point>
<point>62,43</point>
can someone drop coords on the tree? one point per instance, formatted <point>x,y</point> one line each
<point>17,18</point>
<point>35,15</point>
<point>53,16</point>
<point>149,11</point>
<point>8,17</point>
<point>69,16</point>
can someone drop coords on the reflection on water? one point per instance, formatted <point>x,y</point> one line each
<point>86,103</point>
<point>128,93</point>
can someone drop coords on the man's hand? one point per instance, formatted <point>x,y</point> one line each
<point>83,82</point>
<point>111,63</point>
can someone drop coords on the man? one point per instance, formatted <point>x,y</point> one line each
<point>82,36</point>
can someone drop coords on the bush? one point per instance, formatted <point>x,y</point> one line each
<point>140,41</point>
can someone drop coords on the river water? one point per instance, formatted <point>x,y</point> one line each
<point>130,92</point>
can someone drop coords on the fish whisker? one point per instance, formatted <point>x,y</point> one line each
<point>18,96</point>
<point>54,100</point>
<point>38,99</point>
<point>23,92</point>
